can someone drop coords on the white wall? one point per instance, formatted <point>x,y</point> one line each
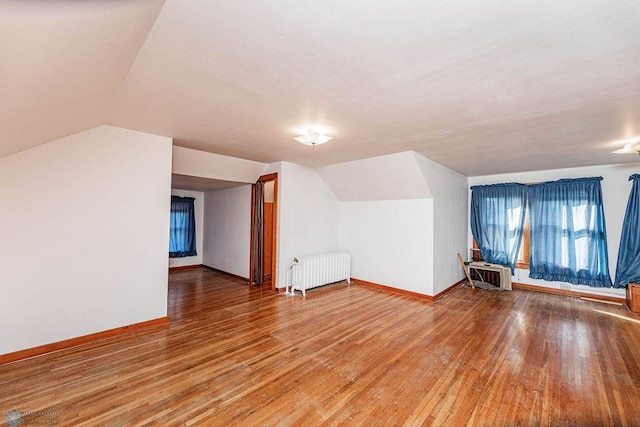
<point>307,221</point>
<point>198,206</point>
<point>316,213</point>
<point>215,166</point>
<point>308,216</point>
<point>227,229</point>
<point>85,236</point>
<point>615,193</point>
<point>391,242</point>
<point>423,219</point>
<point>450,216</point>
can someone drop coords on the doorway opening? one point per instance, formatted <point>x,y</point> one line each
<point>264,226</point>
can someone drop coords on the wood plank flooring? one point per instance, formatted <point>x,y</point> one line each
<point>344,355</point>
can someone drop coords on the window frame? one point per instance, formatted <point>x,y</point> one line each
<point>525,246</point>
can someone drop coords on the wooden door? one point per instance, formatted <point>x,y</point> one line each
<point>268,240</point>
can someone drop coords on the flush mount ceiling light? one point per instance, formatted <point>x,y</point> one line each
<point>312,137</point>
<point>631,146</point>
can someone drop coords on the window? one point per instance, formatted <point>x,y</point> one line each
<point>628,267</point>
<point>563,234</point>
<point>523,254</point>
<point>497,219</point>
<point>568,237</point>
<point>182,231</point>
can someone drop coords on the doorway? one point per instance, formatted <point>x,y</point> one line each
<point>264,214</point>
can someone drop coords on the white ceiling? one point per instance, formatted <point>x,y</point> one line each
<point>480,87</point>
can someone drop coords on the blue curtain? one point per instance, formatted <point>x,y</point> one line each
<point>628,268</point>
<point>497,221</point>
<point>568,236</point>
<point>182,235</point>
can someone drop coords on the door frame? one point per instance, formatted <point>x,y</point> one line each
<point>274,247</point>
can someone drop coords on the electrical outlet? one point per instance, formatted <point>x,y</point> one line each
<point>565,286</point>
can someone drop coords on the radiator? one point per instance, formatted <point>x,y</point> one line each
<point>317,270</point>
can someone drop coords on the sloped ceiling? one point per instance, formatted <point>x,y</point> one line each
<point>390,177</point>
<point>480,87</point>
<point>62,63</point>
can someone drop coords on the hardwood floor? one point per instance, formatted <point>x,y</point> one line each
<point>344,355</point>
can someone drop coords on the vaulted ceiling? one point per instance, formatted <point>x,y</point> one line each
<point>480,87</point>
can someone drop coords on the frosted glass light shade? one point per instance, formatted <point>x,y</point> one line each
<point>631,147</point>
<point>313,137</point>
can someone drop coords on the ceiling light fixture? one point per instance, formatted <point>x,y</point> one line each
<point>631,146</point>
<point>313,138</point>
